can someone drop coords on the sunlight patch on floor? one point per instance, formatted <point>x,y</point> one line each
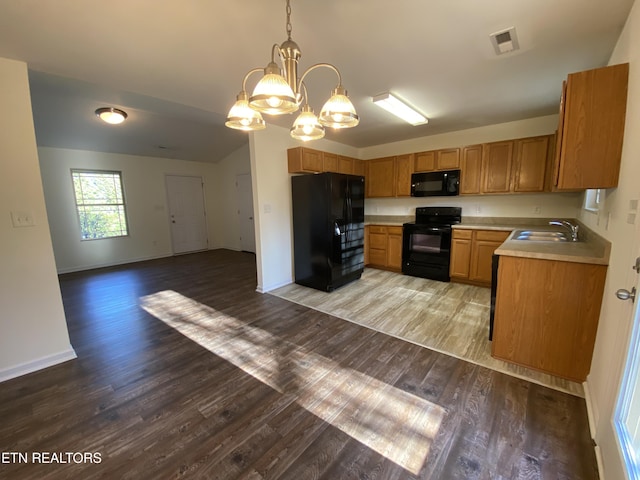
<point>390,421</point>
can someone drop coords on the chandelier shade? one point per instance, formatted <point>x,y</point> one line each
<point>278,92</point>
<point>339,112</point>
<point>272,94</point>
<point>243,117</point>
<point>306,127</point>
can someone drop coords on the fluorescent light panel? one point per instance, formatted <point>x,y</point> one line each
<point>401,110</point>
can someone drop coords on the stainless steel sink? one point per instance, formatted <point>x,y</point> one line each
<point>540,236</point>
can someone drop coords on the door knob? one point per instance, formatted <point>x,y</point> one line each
<point>624,294</point>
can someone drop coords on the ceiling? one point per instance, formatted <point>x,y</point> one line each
<point>176,67</point>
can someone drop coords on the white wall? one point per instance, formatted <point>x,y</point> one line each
<point>615,317</point>
<point>33,330</point>
<point>146,204</point>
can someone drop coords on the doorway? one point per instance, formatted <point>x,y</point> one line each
<point>187,215</point>
<point>245,213</point>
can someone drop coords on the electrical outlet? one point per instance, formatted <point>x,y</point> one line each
<point>537,210</point>
<point>22,219</point>
<point>478,209</point>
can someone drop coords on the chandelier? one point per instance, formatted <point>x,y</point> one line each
<point>280,91</point>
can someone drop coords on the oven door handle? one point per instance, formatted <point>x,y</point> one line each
<point>416,228</point>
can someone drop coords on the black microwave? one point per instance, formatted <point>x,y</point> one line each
<point>435,184</point>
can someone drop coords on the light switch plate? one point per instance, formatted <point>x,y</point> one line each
<point>22,219</point>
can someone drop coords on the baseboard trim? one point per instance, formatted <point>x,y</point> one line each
<point>38,364</point>
<point>268,289</point>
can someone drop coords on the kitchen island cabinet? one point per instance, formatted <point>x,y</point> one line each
<point>546,314</point>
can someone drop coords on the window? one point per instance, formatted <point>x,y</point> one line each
<point>100,204</point>
<point>592,200</point>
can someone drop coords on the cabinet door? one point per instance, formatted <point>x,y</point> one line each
<point>329,162</point>
<point>380,177</point>
<point>593,128</point>
<point>471,170</point>
<point>345,165</point>
<point>485,243</point>
<point>448,159</point>
<point>377,245</point>
<point>304,160</point>
<point>460,257</point>
<point>425,161</point>
<point>358,167</point>
<point>394,248</point>
<point>530,164</point>
<point>404,169</point>
<point>497,159</point>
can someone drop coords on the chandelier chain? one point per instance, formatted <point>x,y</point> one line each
<point>288,20</point>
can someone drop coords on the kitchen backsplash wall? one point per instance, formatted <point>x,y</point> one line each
<point>543,205</point>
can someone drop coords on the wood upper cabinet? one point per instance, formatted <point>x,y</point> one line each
<point>358,167</point>
<point>472,253</point>
<point>530,164</point>
<point>444,159</point>
<point>381,177</point>
<point>448,159</point>
<point>471,170</point>
<point>591,128</point>
<point>329,162</point>
<point>345,164</point>
<point>304,160</point>
<point>404,169</point>
<point>497,160</point>
<point>548,318</point>
<point>389,176</point>
<point>425,161</point>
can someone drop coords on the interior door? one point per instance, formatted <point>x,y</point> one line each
<point>187,216</point>
<point>627,414</point>
<point>245,213</point>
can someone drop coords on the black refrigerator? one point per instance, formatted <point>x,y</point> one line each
<point>328,229</point>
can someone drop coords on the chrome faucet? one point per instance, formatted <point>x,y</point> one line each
<point>573,229</point>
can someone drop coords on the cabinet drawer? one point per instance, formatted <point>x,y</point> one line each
<point>394,230</point>
<point>492,235</point>
<point>462,233</point>
<point>377,240</point>
<point>377,229</point>
<point>377,257</point>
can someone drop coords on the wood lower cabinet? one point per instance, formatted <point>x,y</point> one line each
<point>460,254</point>
<point>383,247</point>
<point>547,313</point>
<point>471,255</point>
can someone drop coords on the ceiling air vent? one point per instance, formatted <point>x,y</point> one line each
<point>505,41</point>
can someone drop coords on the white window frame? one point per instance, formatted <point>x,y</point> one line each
<point>82,206</point>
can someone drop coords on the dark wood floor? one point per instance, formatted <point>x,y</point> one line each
<point>184,371</point>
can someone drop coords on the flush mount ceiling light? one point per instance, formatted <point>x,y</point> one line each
<point>399,109</point>
<point>110,115</point>
<point>280,91</point>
